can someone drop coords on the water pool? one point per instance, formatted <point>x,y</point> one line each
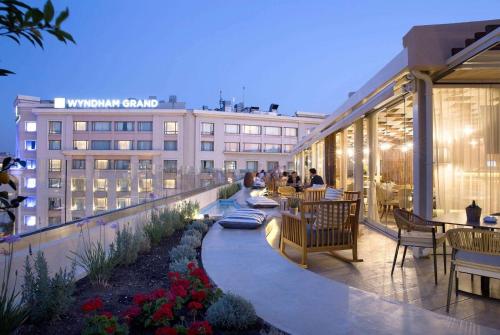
<point>220,208</point>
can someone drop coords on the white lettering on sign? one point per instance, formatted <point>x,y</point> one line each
<point>105,103</point>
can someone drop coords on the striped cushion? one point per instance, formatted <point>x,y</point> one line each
<point>331,216</point>
<point>333,194</point>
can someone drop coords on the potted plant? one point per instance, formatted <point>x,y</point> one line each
<point>293,205</point>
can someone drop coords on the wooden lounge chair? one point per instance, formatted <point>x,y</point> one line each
<point>475,251</point>
<point>322,226</point>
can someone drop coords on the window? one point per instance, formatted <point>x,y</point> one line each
<point>78,204</point>
<point>207,146</point>
<point>30,182</point>
<point>145,126</point>
<point>30,126</point>
<point>170,166</point>
<point>271,166</point>
<point>274,148</point>
<point>124,126</point>
<point>207,165</point>
<point>252,166</point>
<point>123,145</point>
<point>291,132</point>
<point>144,145</point>
<point>30,220</point>
<point>54,165</point>
<point>102,164</point>
<point>290,166</point>
<point>78,164</point>
<point>55,183</point>
<point>230,166</point>
<point>171,127</point>
<point>78,184</point>
<point>80,145</point>
<point>123,185</point>
<point>207,128</point>
<point>231,146</point>
<point>169,183</point>
<point>232,128</point>
<point>54,144</point>
<point>122,202</point>
<point>31,164</point>
<point>251,147</point>
<point>251,130</point>
<point>122,164</point>
<point>145,164</point>
<point>55,127</point>
<point>287,147</point>
<point>80,125</point>
<point>100,204</point>
<point>54,204</point>
<point>146,185</point>
<point>272,131</point>
<point>100,184</point>
<point>29,202</point>
<point>101,125</point>
<point>54,220</point>
<point>170,145</point>
<point>101,145</point>
<point>30,145</point>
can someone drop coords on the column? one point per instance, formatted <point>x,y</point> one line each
<point>329,162</point>
<point>373,165</point>
<point>89,186</point>
<point>358,159</point>
<point>134,180</point>
<point>343,160</point>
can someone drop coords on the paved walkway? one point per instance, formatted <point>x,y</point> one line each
<point>299,301</point>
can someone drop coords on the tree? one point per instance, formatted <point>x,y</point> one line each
<point>19,21</point>
<point>7,205</point>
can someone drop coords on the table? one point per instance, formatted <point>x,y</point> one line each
<point>460,219</point>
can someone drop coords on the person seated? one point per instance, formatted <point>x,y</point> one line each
<point>294,180</point>
<point>284,179</point>
<point>315,178</point>
<point>262,174</point>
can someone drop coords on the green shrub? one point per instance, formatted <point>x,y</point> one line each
<point>180,265</point>
<point>96,262</point>
<point>182,251</point>
<point>158,228</point>
<point>172,217</point>
<point>192,241</point>
<point>200,226</point>
<point>231,312</point>
<point>126,246</point>
<point>188,210</point>
<point>193,232</point>
<point>227,192</point>
<point>46,298</point>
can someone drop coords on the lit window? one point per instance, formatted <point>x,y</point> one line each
<point>55,183</point>
<point>54,204</point>
<point>146,185</point>
<point>78,184</point>
<point>31,164</point>
<point>122,164</point>
<point>77,204</point>
<point>123,145</point>
<point>251,147</point>
<point>80,145</point>
<point>102,164</point>
<point>171,127</point>
<point>252,166</point>
<point>170,145</point>
<point>207,165</point>
<point>231,146</point>
<point>144,145</point>
<point>207,128</point>
<point>101,125</point>
<point>251,130</point>
<point>78,164</point>
<point>30,220</point>
<point>101,145</point>
<point>54,144</point>
<point>230,166</point>
<point>30,182</point>
<point>207,146</point>
<point>80,125</point>
<point>29,202</point>
<point>291,132</point>
<point>123,185</point>
<point>145,126</point>
<point>54,165</point>
<point>170,166</point>
<point>100,184</point>
<point>30,145</point>
<point>145,164</point>
<point>273,148</point>
<point>232,128</point>
<point>55,127</point>
<point>30,126</point>
<point>169,183</point>
<point>122,202</point>
<point>100,204</point>
<point>124,126</point>
<point>272,131</point>
<point>287,148</point>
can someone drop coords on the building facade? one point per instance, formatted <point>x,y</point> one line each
<point>422,134</point>
<point>87,156</point>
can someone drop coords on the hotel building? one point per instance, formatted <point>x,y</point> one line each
<point>85,156</point>
<point>424,132</point>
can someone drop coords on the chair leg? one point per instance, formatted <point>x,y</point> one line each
<point>404,255</point>
<point>450,285</point>
<point>444,256</point>
<point>395,258</point>
<point>456,283</point>
<point>435,262</point>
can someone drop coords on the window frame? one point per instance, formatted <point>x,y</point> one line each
<point>166,131</point>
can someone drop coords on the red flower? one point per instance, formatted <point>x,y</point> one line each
<point>174,276</point>
<point>194,305</point>
<point>198,295</point>
<point>165,311</point>
<point>159,293</point>
<point>107,314</point>
<point>200,328</point>
<point>191,266</point>
<point>182,282</point>
<point>132,313</point>
<point>166,331</point>
<point>201,275</point>
<point>110,329</point>
<point>92,305</point>
<point>140,299</point>
<point>178,291</point>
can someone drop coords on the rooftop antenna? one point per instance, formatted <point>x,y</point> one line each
<point>221,102</point>
<point>243,98</point>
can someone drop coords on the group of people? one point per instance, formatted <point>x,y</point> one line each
<point>290,179</point>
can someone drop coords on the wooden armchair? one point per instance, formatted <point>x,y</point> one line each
<point>312,194</point>
<point>322,226</point>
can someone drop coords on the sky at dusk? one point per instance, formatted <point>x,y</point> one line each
<point>302,55</point>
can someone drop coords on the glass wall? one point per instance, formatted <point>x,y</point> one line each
<point>466,148</point>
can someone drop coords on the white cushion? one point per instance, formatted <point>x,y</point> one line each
<point>420,239</point>
<point>333,194</point>
<point>318,186</point>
